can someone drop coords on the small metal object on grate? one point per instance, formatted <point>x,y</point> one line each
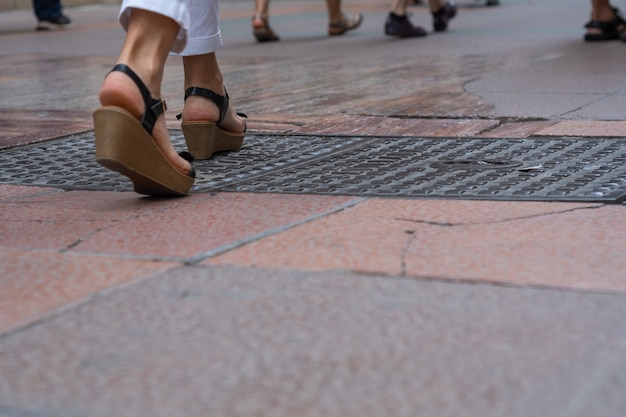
<point>475,164</point>
<point>532,169</point>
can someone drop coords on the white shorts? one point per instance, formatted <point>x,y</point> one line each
<point>198,20</point>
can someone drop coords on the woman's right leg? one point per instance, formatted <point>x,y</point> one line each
<point>203,71</point>
<point>149,39</point>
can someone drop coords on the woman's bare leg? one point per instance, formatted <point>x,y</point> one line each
<point>203,71</point>
<point>149,38</point>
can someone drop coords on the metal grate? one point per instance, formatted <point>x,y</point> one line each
<point>537,169</point>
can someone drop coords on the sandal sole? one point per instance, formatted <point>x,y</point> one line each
<point>601,37</point>
<point>124,146</point>
<point>204,139</point>
<point>265,35</point>
<point>346,26</point>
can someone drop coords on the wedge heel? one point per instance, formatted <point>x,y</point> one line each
<point>124,146</point>
<point>204,139</point>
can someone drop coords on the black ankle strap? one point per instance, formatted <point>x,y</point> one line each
<point>220,101</point>
<point>153,107</point>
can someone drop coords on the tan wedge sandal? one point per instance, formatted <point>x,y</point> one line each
<point>204,138</point>
<point>125,144</point>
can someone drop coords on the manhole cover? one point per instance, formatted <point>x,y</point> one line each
<point>537,169</point>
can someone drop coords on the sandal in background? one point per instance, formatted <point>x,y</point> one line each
<point>262,31</point>
<point>125,144</point>
<point>608,30</point>
<point>348,22</point>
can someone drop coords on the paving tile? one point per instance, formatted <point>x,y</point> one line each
<point>128,224</point>
<point>8,191</point>
<point>296,119</point>
<point>200,223</point>
<point>585,128</point>
<point>516,130</point>
<point>366,125</point>
<point>390,126</point>
<point>199,342</point>
<point>611,108</point>
<point>59,220</point>
<point>33,284</point>
<point>351,240</point>
<point>277,123</point>
<point>581,249</point>
<point>550,244</point>
<point>23,127</point>
<point>265,127</point>
<point>346,124</point>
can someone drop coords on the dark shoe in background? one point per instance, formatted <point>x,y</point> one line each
<point>54,23</point>
<point>442,16</point>
<point>402,27</point>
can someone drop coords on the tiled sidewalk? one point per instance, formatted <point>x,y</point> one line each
<point>233,304</point>
<point>67,245</point>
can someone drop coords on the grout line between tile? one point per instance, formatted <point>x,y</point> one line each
<point>78,302</point>
<point>258,236</point>
<point>487,282</point>
<point>506,220</point>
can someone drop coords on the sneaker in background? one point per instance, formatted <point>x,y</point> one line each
<point>54,23</point>
<point>442,16</point>
<point>402,27</point>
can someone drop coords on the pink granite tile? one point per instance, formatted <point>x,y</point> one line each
<point>346,124</point>
<point>198,223</point>
<point>277,123</point>
<point>351,240</point>
<point>517,129</point>
<point>8,191</point>
<point>22,127</point>
<point>125,223</point>
<point>33,284</point>
<point>58,220</point>
<point>262,123</point>
<point>296,119</point>
<point>551,244</point>
<point>261,127</point>
<point>389,126</point>
<point>585,128</point>
<point>574,246</point>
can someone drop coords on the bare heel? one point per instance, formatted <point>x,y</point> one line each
<point>125,145</point>
<point>205,137</point>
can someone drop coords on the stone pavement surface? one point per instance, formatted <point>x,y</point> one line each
<point>244,304</point>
